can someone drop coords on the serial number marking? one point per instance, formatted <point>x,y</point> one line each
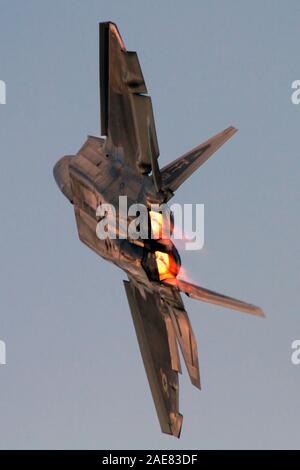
<point>171,459</point>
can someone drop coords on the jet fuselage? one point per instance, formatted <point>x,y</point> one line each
<point>95,177</point>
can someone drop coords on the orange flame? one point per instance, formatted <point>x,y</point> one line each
<point>166,265</point>
<point>159,226</point>
<point>167,268</point>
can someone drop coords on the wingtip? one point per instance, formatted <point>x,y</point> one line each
<point>260,312</point>
<point>107,23</point>
<point>113,29</point>
<point>196,383</point>
<point>176,424</point>
<point>251,309</point>
<point>231,129</point>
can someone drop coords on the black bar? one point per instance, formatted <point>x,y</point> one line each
<point>136,458</point>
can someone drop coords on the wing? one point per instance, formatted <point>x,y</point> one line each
<point>126,112</point>
<point>176,172</point>
<point>199,293</point>
<point>158,320</point>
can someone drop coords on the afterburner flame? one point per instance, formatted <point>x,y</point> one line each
<point>166,266</point>
<point>160,226</point>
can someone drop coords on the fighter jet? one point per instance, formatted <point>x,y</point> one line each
<point>124,162</point>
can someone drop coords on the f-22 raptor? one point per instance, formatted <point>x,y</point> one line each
<point>124,162</point>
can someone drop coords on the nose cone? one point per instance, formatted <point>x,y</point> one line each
<point>62,176</point>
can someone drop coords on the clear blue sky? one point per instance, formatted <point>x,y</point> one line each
<point>74,377</point>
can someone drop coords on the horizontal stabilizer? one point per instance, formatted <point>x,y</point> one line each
<point>211,297</point>
<point>175,173</point>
